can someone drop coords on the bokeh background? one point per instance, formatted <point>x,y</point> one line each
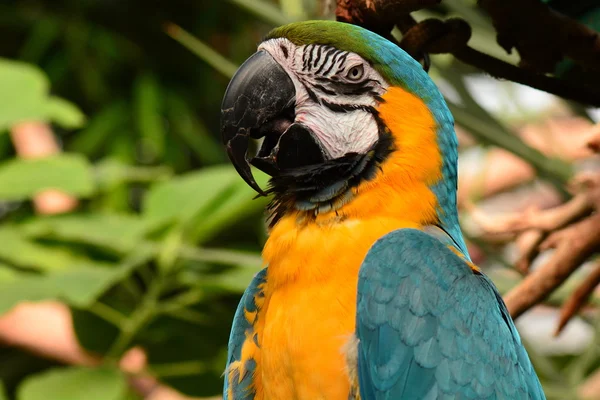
<point>126,238</point>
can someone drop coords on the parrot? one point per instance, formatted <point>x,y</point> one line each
<point>368,291</point>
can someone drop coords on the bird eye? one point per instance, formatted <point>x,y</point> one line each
<point>355,73</point>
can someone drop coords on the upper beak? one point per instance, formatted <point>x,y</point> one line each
<point>258,102</point>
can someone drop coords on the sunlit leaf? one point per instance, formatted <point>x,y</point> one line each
<point>186,195</point>
<point>7,274</point>
<point>111,173</point>
<point>25,97</point>
<point>235,280</point>
<point>64,113</point>
<point>79,286</point>
<point>238,203</point>
<point>120,232</point>
<point>24,178</point>
<point>207,200</point>
<point>75,383</point>
<point>23,252</point>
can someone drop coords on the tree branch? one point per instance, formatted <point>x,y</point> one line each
<point>542,36</point>
<point>573,229</point>
<point>451,36</point>
<point>574,245</point>
<point>578,298</point>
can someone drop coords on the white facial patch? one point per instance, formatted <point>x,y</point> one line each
<point>336,92</point>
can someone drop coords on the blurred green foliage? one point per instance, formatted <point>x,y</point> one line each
<point>150,257</point>
<point>166,235</point>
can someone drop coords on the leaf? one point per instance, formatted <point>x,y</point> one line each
<point>119,232</point>
<point>111,173</point>
<point>3,395</point>
<point>7,274</point>
<point>238,203</point>
<point>75,383</point>
<point>235,280</point>
<point>16,365</point>
<point>148,105</point>
<point>24,178</point>
<point>64,113</point>
<point>131,395</point>
<point>96,333</point>
<point>206,201</point>
<point>25,97</point>
<point>186,195</point>
<point>19,250</point>
<point>78,286</point>
<point>222,256</point>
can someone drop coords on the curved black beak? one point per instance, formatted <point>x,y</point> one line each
<point>258,102</point>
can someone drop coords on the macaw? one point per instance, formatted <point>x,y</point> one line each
<point>368,291</point>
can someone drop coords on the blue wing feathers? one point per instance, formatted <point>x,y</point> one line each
<point>431,328</point>
<point>240,329</point>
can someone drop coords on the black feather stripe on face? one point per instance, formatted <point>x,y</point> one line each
<point>328,54</point>
<point>333,61</point>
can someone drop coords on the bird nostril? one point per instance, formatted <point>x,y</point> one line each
<point>275,126</point>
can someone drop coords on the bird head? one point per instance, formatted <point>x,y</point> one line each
<point>339,110</point>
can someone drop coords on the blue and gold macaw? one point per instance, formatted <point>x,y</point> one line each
<point>369,292</point>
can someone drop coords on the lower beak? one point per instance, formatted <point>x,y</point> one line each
<point>259,102</point>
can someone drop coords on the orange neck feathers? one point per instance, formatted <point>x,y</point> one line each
<point>401,188</point>
<point>399,196</point>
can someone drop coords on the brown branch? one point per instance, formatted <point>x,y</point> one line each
<point>542,36</point>
<point>578,298</point>
<point>528,243</point>
<point>573,229</point>
<point>594,140</point>
<point>545,220</point>
<point>574,245</point>
<point>503,70</point>
<point>590,387</point>
<point>588,183</point>
<point>451,36</point>
<point>379,16</point>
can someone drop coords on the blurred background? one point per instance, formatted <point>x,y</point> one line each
<point>126,238</point>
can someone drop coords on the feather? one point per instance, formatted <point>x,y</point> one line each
<point>450,338</point>
<point>239,372</point>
